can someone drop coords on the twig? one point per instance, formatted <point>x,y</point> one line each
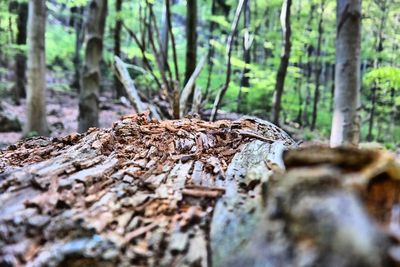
<point>254,135</point>
<point>140,231</point>
<point>201,193</point>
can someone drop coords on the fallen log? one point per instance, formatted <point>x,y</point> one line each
<point>141,193</point>
<point>195,193</point>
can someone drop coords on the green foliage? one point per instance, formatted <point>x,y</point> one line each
<point>385,77</point>
<point>57,54</point>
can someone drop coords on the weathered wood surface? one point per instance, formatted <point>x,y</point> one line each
<point>142,193</point>
<point>194,193</point>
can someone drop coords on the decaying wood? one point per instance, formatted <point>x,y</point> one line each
<point>195,193</point>
<point>141,193</point>
<point>130,89</point>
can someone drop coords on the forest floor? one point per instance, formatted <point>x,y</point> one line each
<point>62,114</point>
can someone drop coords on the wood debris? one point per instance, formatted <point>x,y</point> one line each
<point>142,193</point>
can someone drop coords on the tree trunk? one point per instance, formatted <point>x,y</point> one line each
<point>77,12</point>
<point>191,43</point>
<point>346,121</point>
<point>299,84</point>
<point>117,45</point>
<point>247,42</point>
<point>90,77</point>
<point>331,102</point>
<point>210,53</point>
<point>371,119</point>
<point>36,106</point>
<point>309,48</point>
<point>20,57</point>
<point>285,56</point>
<point>377,62</point>
<point>164,36</point>
<point>318,67</point>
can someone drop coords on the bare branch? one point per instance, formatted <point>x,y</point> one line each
<point>231,40</point>
<point>189,87</point>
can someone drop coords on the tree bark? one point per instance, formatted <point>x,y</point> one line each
<point>117,45</point>
<point>346,121</point>
<point>36,106</point>
<point>90,77</point>
<point>20,57</point>
<point>285,56</point>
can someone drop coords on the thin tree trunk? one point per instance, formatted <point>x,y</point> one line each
<point>191,44</point>
<point>346,121</point>
<point>20,57</point>
<point>90,78</point>
<point>247,42</point>
<point>377,62</point>
<point>171,35</point>
<point>309,47</point>
<point>286,47</point>
<point>78,25</point>
<point>332,88</point>
<point>231,40</point>
<point>211,50</point>
<point>117,45</point>
<point>176,85</point>
<point>164,36</point>
<point>299,84</point>
<point>318,66</point>
<point>372,113</point>
<point>36,106</point>
<point>191,38</point>
<point>10,30</point>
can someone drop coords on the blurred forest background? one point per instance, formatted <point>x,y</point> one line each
<point>232,45</point>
